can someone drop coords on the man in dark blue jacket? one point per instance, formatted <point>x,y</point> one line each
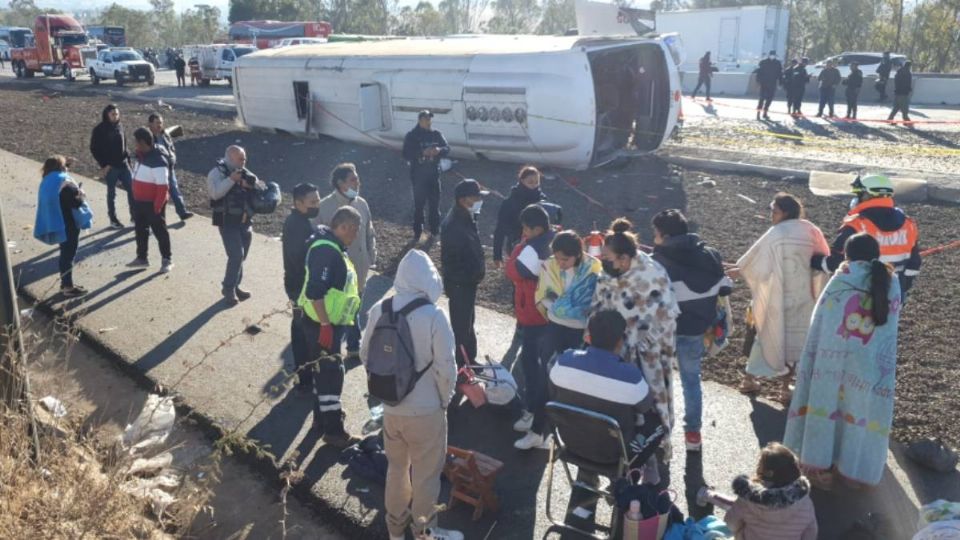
<point>463,265</point>
<point>297,230</point>
<point>508,231</point>
<point>423,147</point>
<point>697,277</point>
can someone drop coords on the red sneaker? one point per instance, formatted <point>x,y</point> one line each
<point>694,442</point>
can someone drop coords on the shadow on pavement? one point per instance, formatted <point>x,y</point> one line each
<point>163,350</point>
<point>45,265</point>
<point>768,423</point>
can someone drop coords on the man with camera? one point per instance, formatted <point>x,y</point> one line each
<point>229,185</point>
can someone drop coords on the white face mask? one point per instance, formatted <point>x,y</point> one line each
<point>475,209</point>
<point>351,193</point>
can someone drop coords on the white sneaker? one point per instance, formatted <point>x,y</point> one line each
<point>531,440</point>
<point>524,423</point>
<point>166,266</point>
<point>436,533</point>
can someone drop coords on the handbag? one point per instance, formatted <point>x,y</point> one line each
<point>83,216</point>
<point>657,509</point>
<point>469,384</point>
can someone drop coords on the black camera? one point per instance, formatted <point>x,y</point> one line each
<point>249,179</point>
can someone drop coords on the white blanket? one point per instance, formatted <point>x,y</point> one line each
<point>785,290</point>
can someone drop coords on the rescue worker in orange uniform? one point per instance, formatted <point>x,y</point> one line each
<point>872,211</point>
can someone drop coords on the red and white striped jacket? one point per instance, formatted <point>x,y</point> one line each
<point>150,179</point>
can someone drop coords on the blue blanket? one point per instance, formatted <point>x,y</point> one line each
<point>842,409</point>
<point>49,226</point>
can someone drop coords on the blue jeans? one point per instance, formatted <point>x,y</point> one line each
<point>175,195</point>
<point>534,372</point>
<point>236,242</point>
<point>556,339</point>
<point>118,174</point>
<point>689,355</point>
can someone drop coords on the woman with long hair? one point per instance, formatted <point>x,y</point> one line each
<point>841,414</point>
<point>784,290</point>
<point>639,288</point>
<point>57,199</point>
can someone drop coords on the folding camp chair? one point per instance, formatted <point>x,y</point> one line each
<point>594,443</point>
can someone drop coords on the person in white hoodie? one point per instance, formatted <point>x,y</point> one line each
<point>415,430</point>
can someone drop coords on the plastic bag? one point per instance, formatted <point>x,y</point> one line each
<point>499,386</point>
<point>152,426</point>
<point>938,510</point>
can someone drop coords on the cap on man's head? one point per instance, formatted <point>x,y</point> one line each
<point>469,188</point>
<point>424,114</point>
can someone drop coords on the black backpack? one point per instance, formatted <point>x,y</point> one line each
<point>391,363</point>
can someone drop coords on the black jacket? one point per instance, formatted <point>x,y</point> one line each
<point>328,270</point>
<point>886,219</point>
<point>180,65</point>
<point>297,230</point>
<point>854,81</point>
<point>508,230</point>
<point>797,78</point>
<point>414,143</point>
<point>69,200</point>
<point>697,277</point>
<point>883,70</point>
<point>706,67</point>
<point>107,143</point>
<point>461,253</point>
<point>903,82</point>
<point>768,72</point>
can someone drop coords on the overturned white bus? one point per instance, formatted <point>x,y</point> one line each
<point>573,102</point>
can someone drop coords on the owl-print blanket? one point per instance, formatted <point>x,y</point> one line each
<point>842,409</point>
<point>645,299</point>
<point>783,291</point>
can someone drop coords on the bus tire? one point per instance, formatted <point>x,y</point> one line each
<point>119,78</point>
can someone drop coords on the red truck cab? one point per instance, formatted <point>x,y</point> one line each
<point>58,47</point>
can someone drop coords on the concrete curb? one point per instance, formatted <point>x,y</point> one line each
<point>944,189</point>
<point>261,464</point>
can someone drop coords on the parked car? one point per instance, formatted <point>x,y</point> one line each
<point>869,61</point>
<point>123,64</point>
<point>288,42</point>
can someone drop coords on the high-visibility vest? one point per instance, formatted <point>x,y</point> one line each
<point>895,246</point>
<point>342,306</point>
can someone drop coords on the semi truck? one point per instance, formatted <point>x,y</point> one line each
<point>58,47</point>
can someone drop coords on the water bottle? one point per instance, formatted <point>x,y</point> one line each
<point>631,521</point>
<point>376,419</point>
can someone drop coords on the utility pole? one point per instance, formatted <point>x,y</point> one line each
<point>896,48</point>
<point>12,374</point>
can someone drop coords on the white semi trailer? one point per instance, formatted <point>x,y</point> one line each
<point>566,101</point>
<point>737,37</point>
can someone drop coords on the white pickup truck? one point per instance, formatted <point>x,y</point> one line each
<point>123,64</point>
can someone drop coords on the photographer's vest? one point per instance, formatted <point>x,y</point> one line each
<point>342,306</point>
<point>233,206</point>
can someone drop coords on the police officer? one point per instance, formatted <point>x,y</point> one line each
<point>769,72</point>
<point>330,299</point>
<point>872,211</point>
<point>423,147</point>
<point>297,231</point>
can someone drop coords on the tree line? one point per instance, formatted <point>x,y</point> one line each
<point>927,31</point>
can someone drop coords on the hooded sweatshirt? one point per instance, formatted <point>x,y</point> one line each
<point>762,513</point>
<point>697,277</point>
<point>430,331</point>
<point>107,143</point>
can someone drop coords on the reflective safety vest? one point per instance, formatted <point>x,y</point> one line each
<point>895,246</point>
<point>342,306</point>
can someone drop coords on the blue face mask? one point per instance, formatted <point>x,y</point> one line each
<point>351,193</point>
<point>475,209</point>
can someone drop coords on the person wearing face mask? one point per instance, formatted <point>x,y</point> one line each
<point>463,264</point>
<point>639,288</point>
<point>526,192</point>
<point>784,290</point>
<point>363,251</point>
<point>330,300</point>
<point>297,230</point>
<point>873,211</point>
<point>228,185</point>
<point>768,72</point>
<point>564,296</point>
<point>423,147</point>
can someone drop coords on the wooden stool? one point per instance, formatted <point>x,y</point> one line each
<point>473,476</point>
